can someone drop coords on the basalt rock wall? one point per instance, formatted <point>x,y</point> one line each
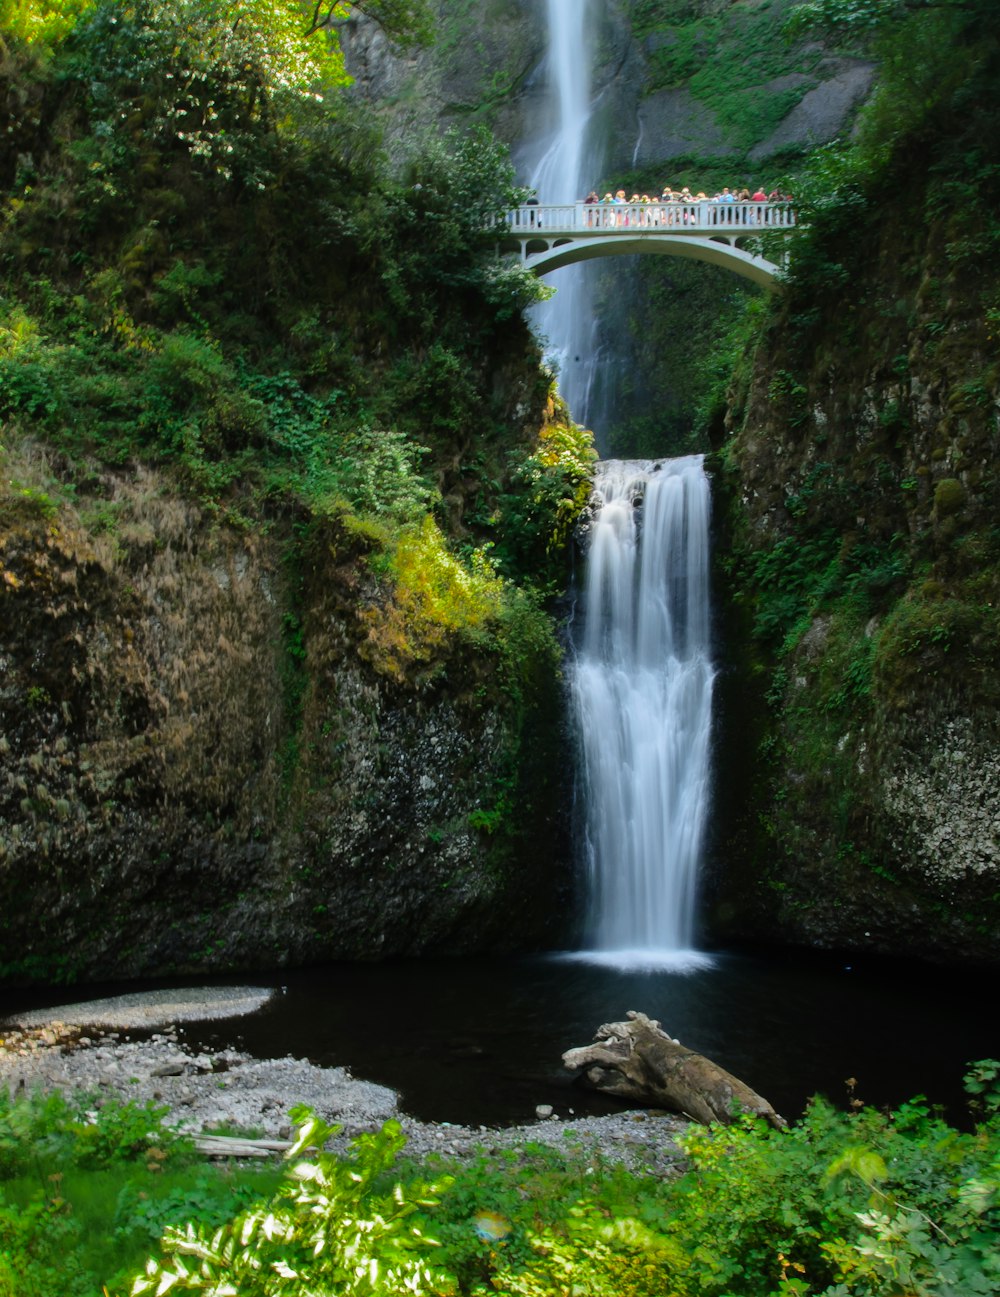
<point>757,96</point>
<point>201,770</point>
<point>861,563</point>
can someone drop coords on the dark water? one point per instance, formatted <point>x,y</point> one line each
<point>479,1042</point>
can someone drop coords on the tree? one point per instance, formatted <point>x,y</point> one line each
<point>299,34</point>
<point>405,22</point>
<point>43,22</point>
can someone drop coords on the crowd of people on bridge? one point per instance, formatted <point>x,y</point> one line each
<point>682,207</point>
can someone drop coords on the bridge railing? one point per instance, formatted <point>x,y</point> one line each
<point>661,218</point>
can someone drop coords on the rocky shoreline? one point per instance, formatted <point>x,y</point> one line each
<point>87,1048</point>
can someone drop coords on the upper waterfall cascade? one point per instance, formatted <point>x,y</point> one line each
<point>560,167</point>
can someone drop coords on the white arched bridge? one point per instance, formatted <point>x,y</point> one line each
<point>550,236</point>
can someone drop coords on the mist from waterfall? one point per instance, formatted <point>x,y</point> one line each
<point>561,170</point>
<point>642,686</point>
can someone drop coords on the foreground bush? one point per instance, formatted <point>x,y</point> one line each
<point>88,1184</point>
<point>861,1204</point>
<point>334,1227</point>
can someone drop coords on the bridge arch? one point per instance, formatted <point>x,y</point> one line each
<point>715,252</point>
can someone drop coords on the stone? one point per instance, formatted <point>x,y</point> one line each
<point>822,113</point>
<point>173,1067</point>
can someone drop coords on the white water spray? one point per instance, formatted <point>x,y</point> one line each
<point>642,688</point>
<point>562,171</point>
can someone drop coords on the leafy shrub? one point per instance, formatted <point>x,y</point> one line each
<point>37,1252</point>
<point>982,1082</point>
<point>554,482</point>
<point>858,1204</point>
<point>87,1131</point>
<point>210,1199</point>
<point>332,1227</point>
<point>376,474</point>
<point>44,22</point>
<point>434,597</point>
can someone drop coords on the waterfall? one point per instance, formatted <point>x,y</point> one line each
<point>642,676</point>
<point>562,170</point>
<point>642,689</point>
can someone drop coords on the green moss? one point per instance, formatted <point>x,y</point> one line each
<point>949,497</point>
<point>724,56</point>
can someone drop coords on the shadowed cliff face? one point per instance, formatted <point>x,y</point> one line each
<point>862,501</point>
<point>200,770</point>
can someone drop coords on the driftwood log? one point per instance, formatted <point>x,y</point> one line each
<point>639,1062</point>
<point>234,1146</point>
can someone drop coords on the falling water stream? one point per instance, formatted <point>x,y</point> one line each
<point>642,678</point>
<point>642,692</point>
<point>561,168</point>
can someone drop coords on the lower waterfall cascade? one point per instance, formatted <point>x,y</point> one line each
<point>642,684</point>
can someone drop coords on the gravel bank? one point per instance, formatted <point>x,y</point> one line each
<point>85,1048</point>
<point>153,1008</point>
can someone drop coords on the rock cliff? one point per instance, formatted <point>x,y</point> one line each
<point>862,563</point>
<point>203,768</point>
<point>673,80</point>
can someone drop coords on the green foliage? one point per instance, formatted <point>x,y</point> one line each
<point>405,22</point>
<point>935,63</point>
<point>860,18</point>
<point>839,1206</point>
<point>86,1132</point>
<point>38,1252</point>
<point>982,1082</point>
<point>41,22</point>
<point>88,1183</point>
<point>717,364</point>
<point>46,1141</point>
<point>846,17</point>
<point>240,236</point>
<point>142,1217</point>
<point>331,1227</point>
<point>550,487</point>
<point>858,1204</point>
<point>434,597</point>
<point>802,575</point>
<point>857,1201</point>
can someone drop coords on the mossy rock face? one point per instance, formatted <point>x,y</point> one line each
<point>199,770</point>
<point>859,515</point>
<point>949,497</point>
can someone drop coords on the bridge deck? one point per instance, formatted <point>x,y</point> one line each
<point>728,220</point>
